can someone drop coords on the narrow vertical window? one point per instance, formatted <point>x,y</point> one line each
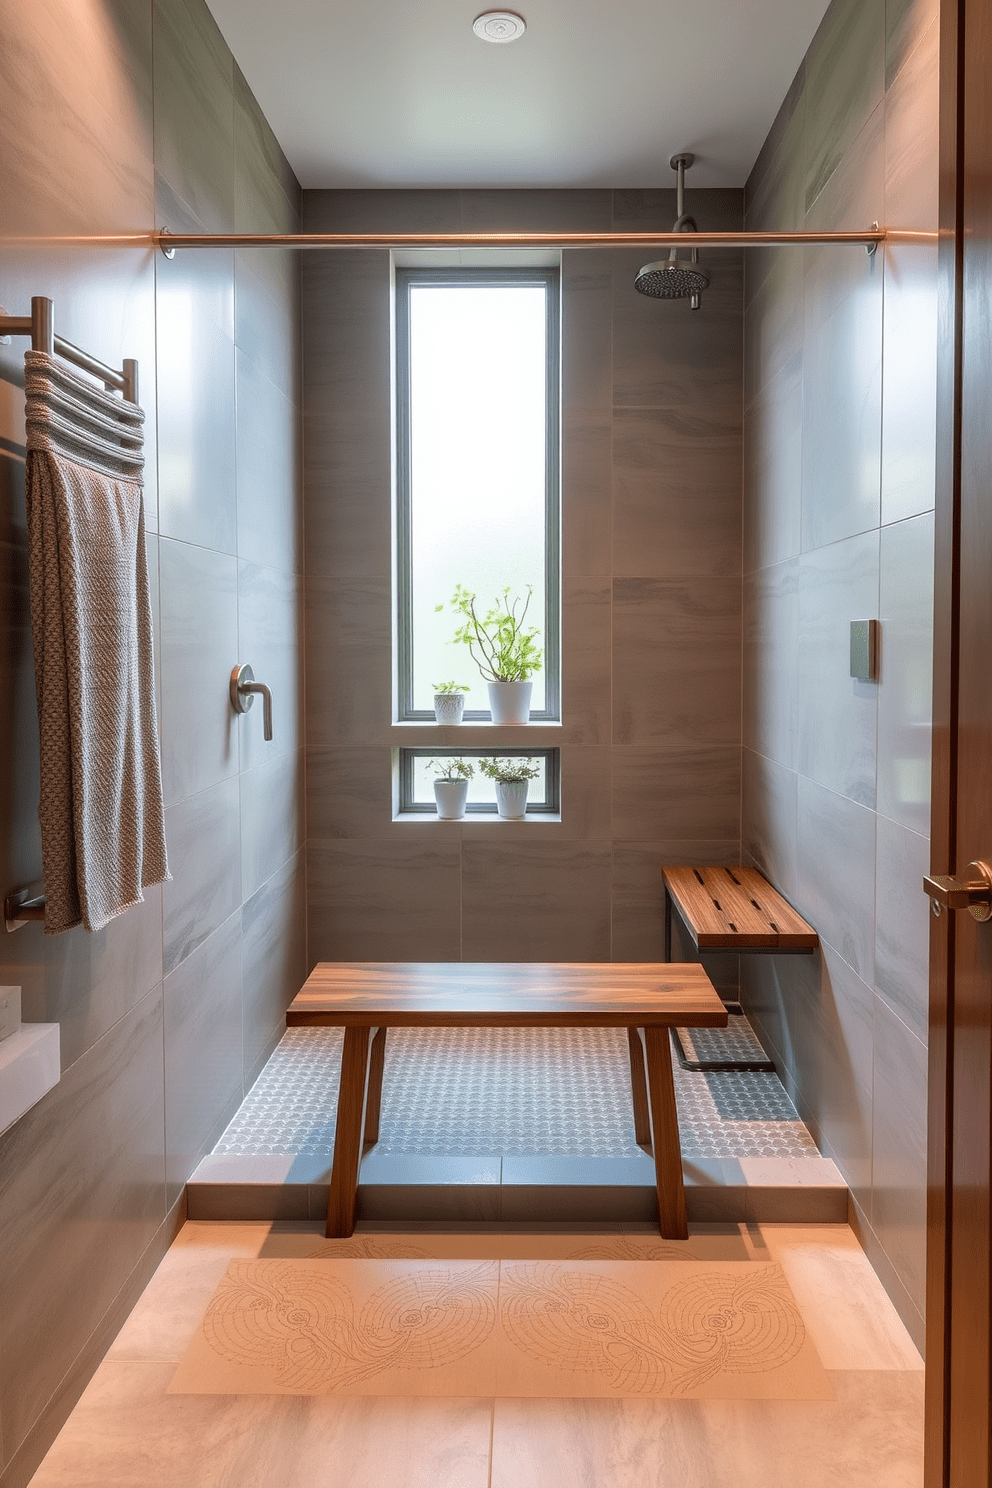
<point>478,471</point>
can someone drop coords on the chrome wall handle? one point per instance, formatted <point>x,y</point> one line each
<point>243,690</point>
<point>972,892</point>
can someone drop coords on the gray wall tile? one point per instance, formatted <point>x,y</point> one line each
<point>388,900</point>
<point>84,1165</point>
<point>769,829</point>
<point>535,902</point>
<point>271,818</point>
<point>676,661</point>
<point>203,1049</point>
<point>269,477</point>
<point>902,925</point>
<point>270,634</point>
<point>661,794</point>
<point>773,469</point>
<point>837,713</point>
<point>199,647</point>
<point>836,861</point>
<point>899,1146</point>
<point>906,677</point>
<point>771,662</point>
<point>194,110</point>
<point>204,836</point>
<point>274,950</point>
<point>845,77</point>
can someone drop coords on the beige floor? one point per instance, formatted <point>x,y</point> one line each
<point>127,1431</point>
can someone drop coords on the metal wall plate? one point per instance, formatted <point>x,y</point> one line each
<point>864,650</point>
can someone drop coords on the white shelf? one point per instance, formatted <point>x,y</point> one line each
<point>30,1065</point>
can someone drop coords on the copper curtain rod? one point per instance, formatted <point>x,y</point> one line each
<point>869,238</point>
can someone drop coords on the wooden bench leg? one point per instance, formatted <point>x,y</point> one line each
<point>672,1219</point>
<point>348,1137</point>
<point>374,1100</point>
<point>639,1090</point>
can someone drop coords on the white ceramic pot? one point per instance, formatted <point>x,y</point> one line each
<point>449,707</point>
<point>509,702</point>
<point>511,799</point>
<point>451,796</point>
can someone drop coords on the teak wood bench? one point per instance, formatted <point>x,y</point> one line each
<point>733,909</point>
<point>367,998</point>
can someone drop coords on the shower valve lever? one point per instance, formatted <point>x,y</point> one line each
<point>972,892</point>
<point>243,690</point>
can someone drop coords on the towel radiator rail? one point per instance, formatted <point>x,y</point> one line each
<point>22,905</point>
<point>40,326</point>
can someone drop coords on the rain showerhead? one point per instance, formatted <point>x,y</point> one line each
<point>675,278</point>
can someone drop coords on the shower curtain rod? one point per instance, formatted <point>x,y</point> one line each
<point>869,238</point>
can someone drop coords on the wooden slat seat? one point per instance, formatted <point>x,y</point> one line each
<point>733,909</point>
<point>646,998</point>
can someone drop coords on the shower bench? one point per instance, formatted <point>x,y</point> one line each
<point>368,998</point>
<point>733,909</point>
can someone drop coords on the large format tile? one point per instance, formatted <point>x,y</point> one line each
<point>86,982</point>
<point>676,492</point>
<point>771,680</point>
<point>845,80</point>
<point>773,469</point>
<point>268,448</point>
<point>853,198</point>
<point>906,23</point>
<point>82,1193</point>
<point>274,958</point>
<point>676,661</point>
<point>911,134</point>
<point>272,817</point>
<point>270,637</point>
<point>204,834</point>
<point>194,110</point>
<point>664,794</point>
<point>394,899</point>
<point>773,323</point>
<point>267,195</point>
<point>775,195</point>
<point>769,831</point>
<point>836,873</point>
<point>837,713</point>
<point>349,790</point>
<point>586,500</point>
<point>899,1149</point>
<point>909,381</point>
<point>902,924</point>
<point>870,1434</point>
<point>586,331</point>
<point>199,728</point>
<point>203,1049</point>
<point>540,902</point>
<point>842,405</point>
<point>586,621</point>
<point>906,679</point>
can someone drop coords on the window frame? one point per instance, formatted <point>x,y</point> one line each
<point>548,278</point>
<point>408,806</point>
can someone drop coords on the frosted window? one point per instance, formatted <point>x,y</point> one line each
<point>478,456</point>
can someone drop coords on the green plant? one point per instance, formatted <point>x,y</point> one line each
<point>444,689</point>
<point>498,643</point>
<point>509,771</point>
<point>451,769</point>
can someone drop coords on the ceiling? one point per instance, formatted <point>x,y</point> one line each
<point>378,93</point>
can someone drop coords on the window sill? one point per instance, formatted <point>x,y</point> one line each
<point>475,723</point>
<point>479,818</point>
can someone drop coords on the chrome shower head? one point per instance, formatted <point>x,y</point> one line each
<point>675,278</point>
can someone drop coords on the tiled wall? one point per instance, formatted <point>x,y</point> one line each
<point>166,1015</point>
<point>650,735</point>
<point>839,491</point>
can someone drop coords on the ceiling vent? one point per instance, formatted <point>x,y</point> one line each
<point>499,26</point>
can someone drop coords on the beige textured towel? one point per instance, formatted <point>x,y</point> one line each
<point>102,822</point>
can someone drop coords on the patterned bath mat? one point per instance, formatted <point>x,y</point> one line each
<point>614,1329</point>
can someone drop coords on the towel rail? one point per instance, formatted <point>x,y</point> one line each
<point>40,326</point>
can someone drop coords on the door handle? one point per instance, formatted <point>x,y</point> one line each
<point>973,892</point>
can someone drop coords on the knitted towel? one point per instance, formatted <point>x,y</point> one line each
<point>102,822</point>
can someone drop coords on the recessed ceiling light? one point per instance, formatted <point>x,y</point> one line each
<point>499,26</point>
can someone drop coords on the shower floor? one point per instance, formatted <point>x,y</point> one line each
<point>482,1123</point>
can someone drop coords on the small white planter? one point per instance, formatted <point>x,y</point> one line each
<point>509,702</point>
<point>451,796</point>
<point>449,707</point>
<point>511,798</point>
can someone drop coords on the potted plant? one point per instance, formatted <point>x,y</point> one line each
<point>449,702</point>
<point>451,786</point>
<point>504,650</point>
<point>511,777</point>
